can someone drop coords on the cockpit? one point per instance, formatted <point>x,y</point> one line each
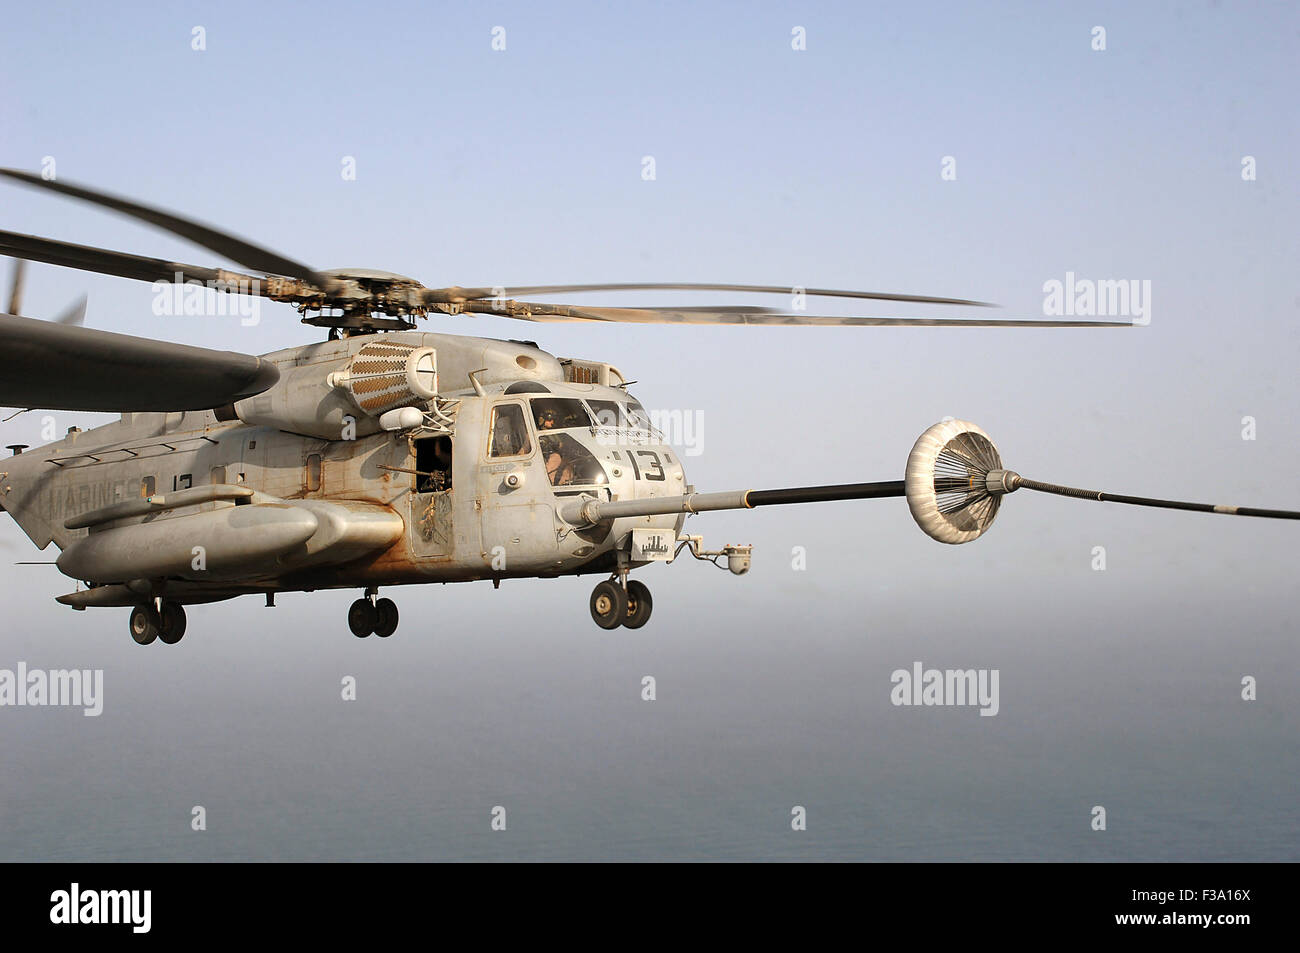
<point>559,413</point>
<point>560,424</point>
<point>625,415</point>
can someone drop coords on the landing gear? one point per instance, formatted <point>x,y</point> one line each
<point>369,615</point>
<point>362,618</point>
<point>161,620</point>
<point>627,604</point>
<point>386,618</point>
<point>608,604</point>
<point>639,605</point>
<point>171,623</point>
<point>144,624</point>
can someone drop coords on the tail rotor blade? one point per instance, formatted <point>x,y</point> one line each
<point>16,289</point>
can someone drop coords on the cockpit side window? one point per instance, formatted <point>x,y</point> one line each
<point>509,435</point>
<point>606,412</point>
<point>638,419</point>
<point>558,413</point>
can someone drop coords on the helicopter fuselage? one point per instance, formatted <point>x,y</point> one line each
<point>303,488</point>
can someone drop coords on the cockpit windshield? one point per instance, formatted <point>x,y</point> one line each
<point>569,463</point>
<point>637,418</point>
<point>607,413</point>
<point>558,413</point>
<point>628,416</point>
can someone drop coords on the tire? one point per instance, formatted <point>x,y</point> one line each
<point>362,618</point>
<point>386,618</point>
<point>608,605</point>
<point>144,624</point>
<point>171,625</point>
<point>639,605</point>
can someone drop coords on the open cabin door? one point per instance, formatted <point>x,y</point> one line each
<point>430,518</point>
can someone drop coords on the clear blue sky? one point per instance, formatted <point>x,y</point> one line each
<point>818,167</point>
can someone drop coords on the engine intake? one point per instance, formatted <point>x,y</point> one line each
<point>386,375</point>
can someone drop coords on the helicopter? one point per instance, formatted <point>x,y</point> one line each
<point>385,455</point>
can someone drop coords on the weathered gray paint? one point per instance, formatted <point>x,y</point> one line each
<point>360,528</point>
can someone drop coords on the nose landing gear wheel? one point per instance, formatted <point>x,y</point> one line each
<point>171,623</point>
<point>385,618</point>
<point>362,618</point>
<point>144,624</point>
<point>639,605</point>
<point>608,604</point>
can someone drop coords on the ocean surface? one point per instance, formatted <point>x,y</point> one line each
<point>771,693</point>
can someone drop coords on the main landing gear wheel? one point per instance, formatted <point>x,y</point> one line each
<point>362,618</point>
<point>608,604</point>
<point>144,624</point>
<point>171,623</point>
<point>639,605</point>
<point>385,618</point>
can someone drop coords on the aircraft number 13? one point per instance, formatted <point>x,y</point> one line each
<point>656,474</point>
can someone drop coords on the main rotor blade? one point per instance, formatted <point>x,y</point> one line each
<point>531,311</point>
<point>57,367</point>
<point>75,316</point>
<point>119,264</point>
<point>237,249</point>
<point>462,294</point>
<point>16,290</point>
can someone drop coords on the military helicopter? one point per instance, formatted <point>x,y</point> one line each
<point>386,456</point>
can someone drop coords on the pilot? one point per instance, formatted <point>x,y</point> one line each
<point>558,471</point>
<point>546,420</point>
